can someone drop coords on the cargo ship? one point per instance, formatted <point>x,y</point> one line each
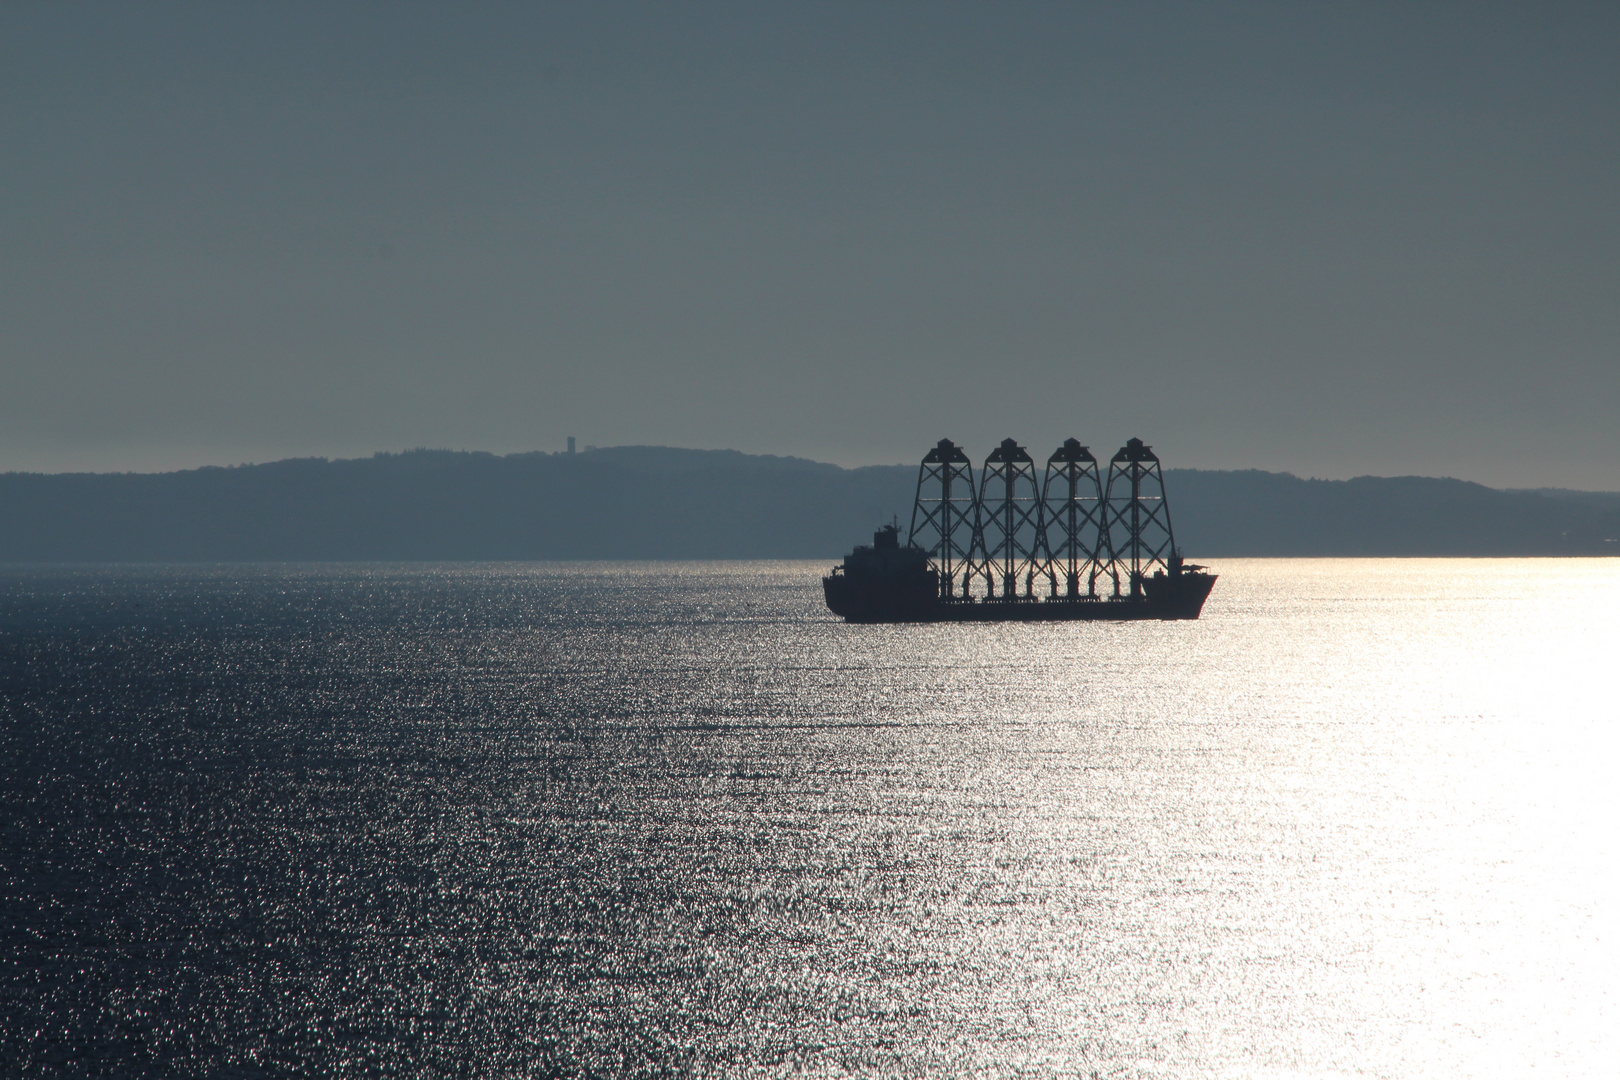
<point>1015,546</point>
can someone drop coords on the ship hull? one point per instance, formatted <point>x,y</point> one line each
<point>1165,598</point>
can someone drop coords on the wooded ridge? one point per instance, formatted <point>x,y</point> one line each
<point>660,503</point>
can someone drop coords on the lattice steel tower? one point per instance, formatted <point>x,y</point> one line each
<point>945,516</point>
<point>1138,518</point>
<point>1073,513</point>
<point>1009,539</point>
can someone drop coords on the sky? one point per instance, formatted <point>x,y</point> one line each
<point>1333,239</point>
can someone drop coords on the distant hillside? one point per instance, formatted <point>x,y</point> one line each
<point>619,503</point>
<point>1260,513</point>
<point>652,502</point>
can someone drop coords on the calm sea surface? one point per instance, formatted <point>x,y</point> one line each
<point>672,819</point>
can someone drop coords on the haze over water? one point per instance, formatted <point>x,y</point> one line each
<point>670,819</point>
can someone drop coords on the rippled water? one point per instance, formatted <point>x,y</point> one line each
<point>673,819</point>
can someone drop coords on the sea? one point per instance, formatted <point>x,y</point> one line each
<point>674,819</point>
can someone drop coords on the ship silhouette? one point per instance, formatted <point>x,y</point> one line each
<point>1015,546</point>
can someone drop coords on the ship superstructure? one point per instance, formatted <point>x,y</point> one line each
<point>1018,544</point>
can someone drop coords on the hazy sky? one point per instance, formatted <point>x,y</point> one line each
<point>1329,238</point>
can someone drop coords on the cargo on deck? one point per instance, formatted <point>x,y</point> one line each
<point>1015,546</point>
